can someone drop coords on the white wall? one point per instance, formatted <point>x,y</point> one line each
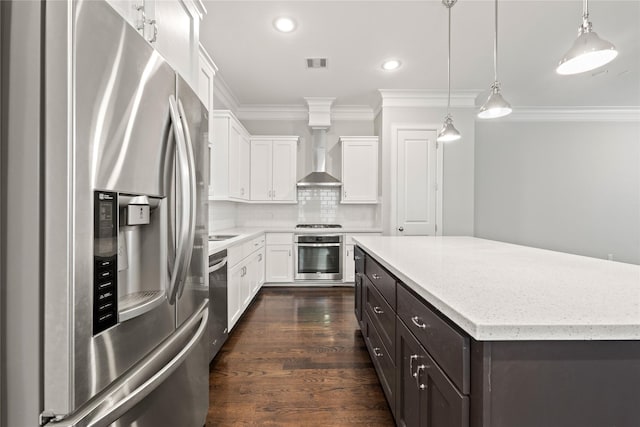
<point>458,176</point>
<point>571,187</point>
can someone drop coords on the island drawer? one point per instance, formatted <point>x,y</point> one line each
<point>381,358</point>
<point>449,347</point>
<point>380,313</point>
<point>382,280</point>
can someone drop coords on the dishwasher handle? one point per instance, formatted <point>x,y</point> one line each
<point>218,266</point>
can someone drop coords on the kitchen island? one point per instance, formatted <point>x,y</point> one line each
<point>466,331</point>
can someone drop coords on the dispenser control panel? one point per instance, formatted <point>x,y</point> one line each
<point>105,261</point>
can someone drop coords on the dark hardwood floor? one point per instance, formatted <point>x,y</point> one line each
<point>296,358</point>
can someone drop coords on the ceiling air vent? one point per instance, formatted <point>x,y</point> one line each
<point>316,62</point>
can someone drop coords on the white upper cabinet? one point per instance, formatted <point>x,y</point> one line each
<point>230,157</point>
<point>359,169</point>
<point>171,26</point>
<point>273,168</point>
<point>206,74</point>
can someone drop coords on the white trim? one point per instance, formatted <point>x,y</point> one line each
<point>223,92</point>
<point>300,112</point>
<point>207,58</point>
<point>393,173</point>
<point>572,114</point>
<point>426,98</point>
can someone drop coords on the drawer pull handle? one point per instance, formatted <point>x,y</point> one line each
<point>377,352</point>
<point>419,323</point>
<point>412,358</point>
<point>378,310</point>
<point>420,368</point>
<point>375,276</point>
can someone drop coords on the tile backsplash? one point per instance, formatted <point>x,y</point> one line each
<point>315,205</point>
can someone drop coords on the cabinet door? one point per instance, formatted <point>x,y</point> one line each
<point>357,306</point>
<point>235,160</point>
<point>234,286</point>
<point>261,170</point>
<point>206,75</point>
<point>349,264</point>
<point>424,395</point>
<point>177,36</point>
<point>279,265</point>
<point>359,172</point>
<point>244,166</point>
<point>284,171</point>
<point>247,283</point>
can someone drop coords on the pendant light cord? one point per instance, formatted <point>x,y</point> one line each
<point>495,46</point>
<point>449,65</point>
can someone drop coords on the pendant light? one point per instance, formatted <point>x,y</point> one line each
<point>448,132</point>
<point>495,106</point>
<point>588,51</point>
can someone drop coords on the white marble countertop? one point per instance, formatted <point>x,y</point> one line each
<point>498,291</point>
<point>246,233</point>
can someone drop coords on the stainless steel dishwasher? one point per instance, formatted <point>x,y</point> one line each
<point>217,302</point>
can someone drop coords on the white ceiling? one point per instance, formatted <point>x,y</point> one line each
<point>263,67</point>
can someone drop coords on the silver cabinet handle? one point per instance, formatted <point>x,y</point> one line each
<point>345,194</point>
<point>259,257</point>
<point>347,252</point>
<point>400,228</point>
<point>412,358</point>
<point>377,352</point>
<point>375,276</point>
<point>420,368</point>
<point>377,310</point>
<point>357,258</point>
<point>155,30</point>
<point>289,252</point>
<point>418,322</point>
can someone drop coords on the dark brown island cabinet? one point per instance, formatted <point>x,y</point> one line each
<point>434,374</point>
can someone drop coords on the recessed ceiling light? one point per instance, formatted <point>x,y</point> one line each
<point>284,25</point>
<point>391,64</point>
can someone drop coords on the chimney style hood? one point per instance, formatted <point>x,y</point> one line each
<point>319,121</point>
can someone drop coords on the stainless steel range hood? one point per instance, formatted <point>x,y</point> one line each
<point>319,177</point>
<point>319,121</point>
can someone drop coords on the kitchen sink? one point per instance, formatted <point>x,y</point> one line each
<point>221,237</point>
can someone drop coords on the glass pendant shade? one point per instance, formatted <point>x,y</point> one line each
<point>587,53</point>
<point>448,132</point>
<point>495,106</point>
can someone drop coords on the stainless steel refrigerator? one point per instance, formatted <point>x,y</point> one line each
<point>104,225</point>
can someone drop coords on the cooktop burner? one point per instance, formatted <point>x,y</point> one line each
<point>318,226</point>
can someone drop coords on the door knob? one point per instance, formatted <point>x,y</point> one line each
<point>401,228</point>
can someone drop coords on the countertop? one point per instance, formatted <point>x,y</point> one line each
<point>498,291</point>
<point>247,233</point>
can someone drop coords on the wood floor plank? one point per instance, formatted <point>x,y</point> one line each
<point>296,358</point>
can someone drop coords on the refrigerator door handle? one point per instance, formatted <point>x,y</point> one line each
<point>192,196</point>
<point>182,168</point>
<point>101,411</point>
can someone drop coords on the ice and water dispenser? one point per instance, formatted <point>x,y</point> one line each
<point>130,278</point>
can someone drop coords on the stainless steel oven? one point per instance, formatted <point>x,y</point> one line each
<point>318,256</point>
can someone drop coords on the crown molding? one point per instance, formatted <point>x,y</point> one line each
<point>222,91</point>
<point>301,112</point>
<point>425,98</point>
<point>572,114</point>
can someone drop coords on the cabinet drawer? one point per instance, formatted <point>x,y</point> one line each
<point>382,280</point>
<point>382,361</point>
<point>255,244</point>
<point>448,346</point>
<point>358,257</point>
<point>380,313</point>
<point>279,238</point>
<point>234,255</point>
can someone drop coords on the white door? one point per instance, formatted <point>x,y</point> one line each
<point>261,170</point>
<point>279,264</point>
<point>284,171</point>
<point>416,183</point>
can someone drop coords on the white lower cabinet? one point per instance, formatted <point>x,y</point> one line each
<point>349,275</point>
<point>245,277</point>
<point>279,254</point>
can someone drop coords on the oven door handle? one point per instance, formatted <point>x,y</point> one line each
<point>318,245</point>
